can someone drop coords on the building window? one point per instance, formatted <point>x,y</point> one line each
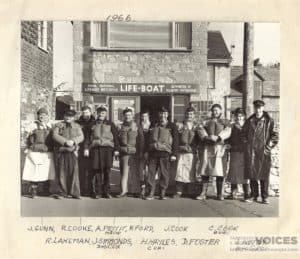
<point>211,76</point>
<point>42,34</point>
<point>202,108</point>
<point>180,104</point>
<point>141,35</point>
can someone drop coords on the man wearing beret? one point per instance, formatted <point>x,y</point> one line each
<point>163,148</point>
<point>101,145</point>
<point>86,121</point>
<point>68,135</point>
<point>260,138</point>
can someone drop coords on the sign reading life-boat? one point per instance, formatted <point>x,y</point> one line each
<point>140,88</point>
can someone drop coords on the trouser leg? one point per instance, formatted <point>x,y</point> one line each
<point>219,183</point>
<point>264,188</point>
<point>151,174</point>
<point>164,177</point>
<point>106,180</point>
<point>254,188</point>
<point>96,182</point>
<point>124,173</point>
<point>73,186</point>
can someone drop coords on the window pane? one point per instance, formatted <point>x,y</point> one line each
<point>179,100</point>
<point>100,34</point>
<point>183,34</point>
<point>140,35</point>
<point>179,109</point>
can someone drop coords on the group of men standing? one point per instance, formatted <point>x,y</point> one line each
<point>77,157</point>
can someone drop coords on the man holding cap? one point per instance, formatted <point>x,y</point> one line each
<point>163,147</point>
<point>86,121</point>
<point>101,144</point>
<point>260,138</point>
<point>67,135</point>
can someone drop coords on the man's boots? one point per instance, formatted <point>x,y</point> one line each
<point>202,196</point>
<point>151,195</point>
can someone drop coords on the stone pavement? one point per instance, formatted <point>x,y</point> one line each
<point>134,207</point>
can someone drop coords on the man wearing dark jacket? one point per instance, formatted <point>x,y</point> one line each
<point>101,145</point>
<point>163,147</point>
<point>86,121</point>
<point>260,138</point>
<point>145,125</point>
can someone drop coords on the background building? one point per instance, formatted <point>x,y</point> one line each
<point>36,70</point>
<point>149,64</point>
<point>266,87</point>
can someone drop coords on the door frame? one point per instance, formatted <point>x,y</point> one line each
<point>137,104</point>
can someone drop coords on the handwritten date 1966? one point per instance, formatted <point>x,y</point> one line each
<point>119,18</point>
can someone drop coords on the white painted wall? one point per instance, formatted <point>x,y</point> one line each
<point>63,55</point>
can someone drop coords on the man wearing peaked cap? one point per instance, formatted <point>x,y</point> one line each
<point>258,103</point>
<point>70,113</point>
<point>86,121</point>
<point>102,108</point>
<point>260,138</point>
<point>163,109</point>
<point>42,110</point>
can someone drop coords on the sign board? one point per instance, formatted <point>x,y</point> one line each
<point>118,88</point>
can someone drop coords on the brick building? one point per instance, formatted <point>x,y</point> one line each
<point>36,70</point>
<point>266,87</point>
<point>148,64</point>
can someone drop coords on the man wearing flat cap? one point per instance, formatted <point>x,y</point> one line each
<point>260,138</point>
<point>86,121</point>
<point>212,151</point>
<point>68,135</point>
<point>163,148</point>
<point>101,145</point>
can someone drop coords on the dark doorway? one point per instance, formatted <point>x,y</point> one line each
<point>153,103</point>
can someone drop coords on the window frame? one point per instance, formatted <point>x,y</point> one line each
<point>108,48</point>
<point>42,40</point>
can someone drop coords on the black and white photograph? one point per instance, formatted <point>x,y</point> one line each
<point>140,118</point>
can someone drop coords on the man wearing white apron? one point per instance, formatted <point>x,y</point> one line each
<point>39,163</point>
<point>212,151</point>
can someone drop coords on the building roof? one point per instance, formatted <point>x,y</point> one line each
<point>269,75</point>
<point>217,49</point>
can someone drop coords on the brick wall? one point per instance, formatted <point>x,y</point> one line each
<point>36,73</point>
